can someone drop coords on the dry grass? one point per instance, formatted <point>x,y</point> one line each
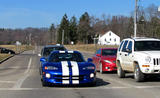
<point>88,47</point>
<point>17,49</point>
<point>3,56</point>
<point>14,48</point>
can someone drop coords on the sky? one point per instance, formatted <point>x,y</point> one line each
<point>42,13</point>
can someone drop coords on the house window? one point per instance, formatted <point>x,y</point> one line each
<point>115,39</point>
<point>109,34</point>
<point>110,39</point>
<point>105,39</point>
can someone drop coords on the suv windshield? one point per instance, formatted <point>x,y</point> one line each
<point>48,50</point>
<point>147,45</point>
<point>106,52</point>
<point>58,57</point>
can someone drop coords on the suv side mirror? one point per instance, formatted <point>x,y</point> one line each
<point>128,50</point>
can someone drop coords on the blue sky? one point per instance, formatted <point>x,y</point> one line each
<point>41,13</point>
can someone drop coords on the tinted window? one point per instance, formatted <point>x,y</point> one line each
<point>121,45</point>
<point>130,45</point>
<point>106,52</point>
<point>58,57</point>
<point>48,50</point>
<point>124,46</point>
<point>147,45</point>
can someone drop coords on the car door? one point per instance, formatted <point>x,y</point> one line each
<point>124,55</point>
<point>96,58</point>
<point>129,59</point>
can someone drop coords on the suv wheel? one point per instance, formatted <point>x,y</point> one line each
<point>138,75</point>
<point>101,68</point>
<point>120,72</point>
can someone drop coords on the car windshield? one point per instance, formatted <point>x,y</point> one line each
<point>58,57</point>
<point>106,52</point>
<point>48,50</point>
<point>147,45</point>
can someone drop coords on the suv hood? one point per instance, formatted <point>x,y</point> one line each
<point>150,53</point>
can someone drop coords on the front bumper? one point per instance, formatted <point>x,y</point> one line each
<point>109,67</point>
<point>57,78</point>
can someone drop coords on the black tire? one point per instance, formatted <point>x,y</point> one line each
<point>92,84</point>
<point>120,72</point>
<point>44,84</point>
<point>101,68</point>
<point>138,75</point>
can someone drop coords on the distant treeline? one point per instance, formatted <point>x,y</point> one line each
<point>86,28</point>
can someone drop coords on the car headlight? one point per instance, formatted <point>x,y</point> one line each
<point>148,59</point>
<point>89,68</point>
<point>107,61</point>
<point>50,68</point>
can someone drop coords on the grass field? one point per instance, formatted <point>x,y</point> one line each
<point>17,49</point>
<point>88,47</point>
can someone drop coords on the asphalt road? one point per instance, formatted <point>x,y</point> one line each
<point>19,78</point>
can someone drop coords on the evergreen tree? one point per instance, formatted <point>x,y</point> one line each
<point>64,27</point>
<point>52,34</point>
<point>84,28</point>
<point>73,29</point>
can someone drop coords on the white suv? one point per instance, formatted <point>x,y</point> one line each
<point>140,56</point>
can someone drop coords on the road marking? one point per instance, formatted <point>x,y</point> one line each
<point>7,81</point>
<point>26,74</point>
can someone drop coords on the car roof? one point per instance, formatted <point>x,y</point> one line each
<point>142,39</point>
<point>108,48</point>
<point>48,46</point>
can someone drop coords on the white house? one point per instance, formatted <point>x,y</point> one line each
<point>109,38</point>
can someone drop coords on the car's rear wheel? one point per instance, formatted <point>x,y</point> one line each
<point>138,75</point>
<point>101,68</point>
<point>120,71</point>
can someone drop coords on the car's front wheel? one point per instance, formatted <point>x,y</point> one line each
<point>120,72</point>
<point>44,84</point>
<point>138,75</point>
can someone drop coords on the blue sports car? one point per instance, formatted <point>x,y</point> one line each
<point>67,68</point>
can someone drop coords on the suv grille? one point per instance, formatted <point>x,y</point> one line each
<point>156,61</point>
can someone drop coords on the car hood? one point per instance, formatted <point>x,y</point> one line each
<point>59,64</point>
<point>108,57</point>
<point>150,53</point>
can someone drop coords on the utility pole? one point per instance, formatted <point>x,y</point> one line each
<point>135,19</point>
<point>62,37</point>
<point>30,39</point>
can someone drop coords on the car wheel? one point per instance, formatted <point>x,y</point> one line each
<point>101,68</point>
<point>138,75</point>
<point>44,84</point>
<point>120,72</point>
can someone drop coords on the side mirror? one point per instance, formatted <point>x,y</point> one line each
<point>128,50</point>
<point>98,55</point>
<point>89,60</point>
<point>42,59</point>
<point>39,54</point>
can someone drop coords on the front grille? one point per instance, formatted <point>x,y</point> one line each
<point>156,61</point>
<point>60,77</point>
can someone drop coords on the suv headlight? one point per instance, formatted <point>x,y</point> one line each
<point>89,68</point>
<point>107,61</point>
<point>50,68</point>
<point>148,59</point>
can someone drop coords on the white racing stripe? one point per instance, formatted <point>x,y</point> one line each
<point>65,71</point>
<point>61,51</point>
<point>70,51</point>
<point>75,71</point>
